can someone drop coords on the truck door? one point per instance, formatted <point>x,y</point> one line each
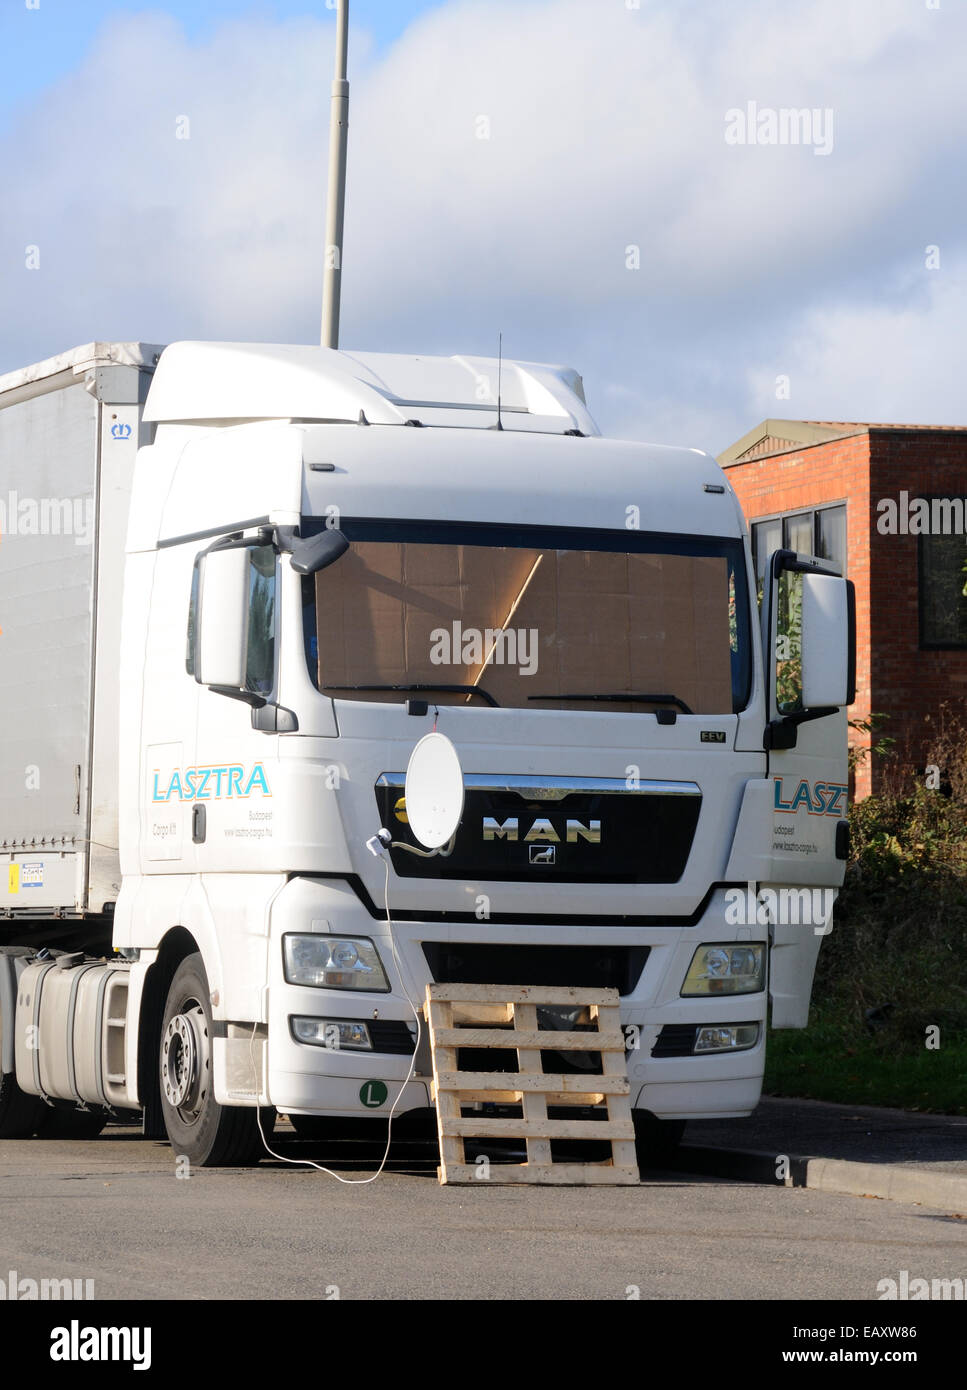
<point>808,627</point>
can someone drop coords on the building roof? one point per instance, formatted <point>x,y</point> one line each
<point>784,436</point>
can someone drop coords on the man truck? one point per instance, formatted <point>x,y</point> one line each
<point>238,583</point>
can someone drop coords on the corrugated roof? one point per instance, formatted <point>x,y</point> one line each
<point>785,436</point>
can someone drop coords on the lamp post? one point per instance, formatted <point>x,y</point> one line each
<point>336,201</point>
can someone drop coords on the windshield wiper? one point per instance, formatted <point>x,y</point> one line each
<point>633,697</point>
<point>449,689</point>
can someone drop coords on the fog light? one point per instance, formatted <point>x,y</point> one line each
<point>333,1033</point>
<point>730,1037</point>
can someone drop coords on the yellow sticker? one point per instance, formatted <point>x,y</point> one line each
<point>13,879</point>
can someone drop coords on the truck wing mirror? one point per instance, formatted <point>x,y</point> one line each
<point>826,630</point>
<point>221,632</point>
<point>809,640</point>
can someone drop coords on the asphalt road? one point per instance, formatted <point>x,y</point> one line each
<point>114,1211</point>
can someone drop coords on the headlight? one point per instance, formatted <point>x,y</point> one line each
<point>717,969</point>
<point>333,962</point>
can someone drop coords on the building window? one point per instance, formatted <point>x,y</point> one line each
<point>766,538</point>
<point>799,533</point>
<point>820,532</point>
<point>831,536</point>
<point>941,561</point>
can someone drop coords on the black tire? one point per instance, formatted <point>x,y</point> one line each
<point>655,1140</point>
<point>209,1135</point>
<point>20,1113</point>
<point>56,1123</point>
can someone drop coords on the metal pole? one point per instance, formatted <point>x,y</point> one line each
<point>336,202</point>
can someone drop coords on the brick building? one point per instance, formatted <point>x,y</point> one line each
<point>887,504</point>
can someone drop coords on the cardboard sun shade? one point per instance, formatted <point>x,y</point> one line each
<point>519,623</point>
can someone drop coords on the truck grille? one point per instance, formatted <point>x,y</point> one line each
<point>555,830</point>
<point>584,967</point>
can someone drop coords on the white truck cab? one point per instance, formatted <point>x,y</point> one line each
<point>330,554</point>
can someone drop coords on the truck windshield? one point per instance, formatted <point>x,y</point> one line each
<point>531,618</point>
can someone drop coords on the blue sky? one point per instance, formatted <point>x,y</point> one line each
<point>583,176</point>
<point>39,46</point>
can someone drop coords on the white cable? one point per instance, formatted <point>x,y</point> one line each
<point>308,1162</point>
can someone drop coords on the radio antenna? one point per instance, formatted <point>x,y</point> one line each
<point>500,362</point>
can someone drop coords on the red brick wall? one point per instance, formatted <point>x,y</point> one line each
<point>908,684</point>
<point>893,676</point>
<point>835,471</point>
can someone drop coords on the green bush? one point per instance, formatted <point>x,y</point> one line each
<point>895,964</point>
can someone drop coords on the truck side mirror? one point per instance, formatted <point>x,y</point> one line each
<point>827,670</point>
<point>221,623</point>
<point>808,625</point>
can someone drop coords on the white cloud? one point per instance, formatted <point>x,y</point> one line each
<point>606,130</point>
<point>882,362</point>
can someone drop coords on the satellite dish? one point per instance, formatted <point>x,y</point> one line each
<point>434,791</point>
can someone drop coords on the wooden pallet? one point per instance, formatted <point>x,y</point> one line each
<point>461,1016</point>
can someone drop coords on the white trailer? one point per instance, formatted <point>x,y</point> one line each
<point>328,554</point>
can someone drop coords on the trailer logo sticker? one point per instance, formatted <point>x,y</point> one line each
<point>120,431</point>
<point>32,875</point>
<point>227,782</point>
<point>820,799</point>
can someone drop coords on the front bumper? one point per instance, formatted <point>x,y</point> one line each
<point>311,1079</point>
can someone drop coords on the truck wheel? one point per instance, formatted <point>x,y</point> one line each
<point>655,1140</point>
<point>20,1113</point>
<point>70,1124</point>
<point>209,1135</point>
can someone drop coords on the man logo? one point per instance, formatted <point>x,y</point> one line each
<point>542,854</point>
<point>542,829</point>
